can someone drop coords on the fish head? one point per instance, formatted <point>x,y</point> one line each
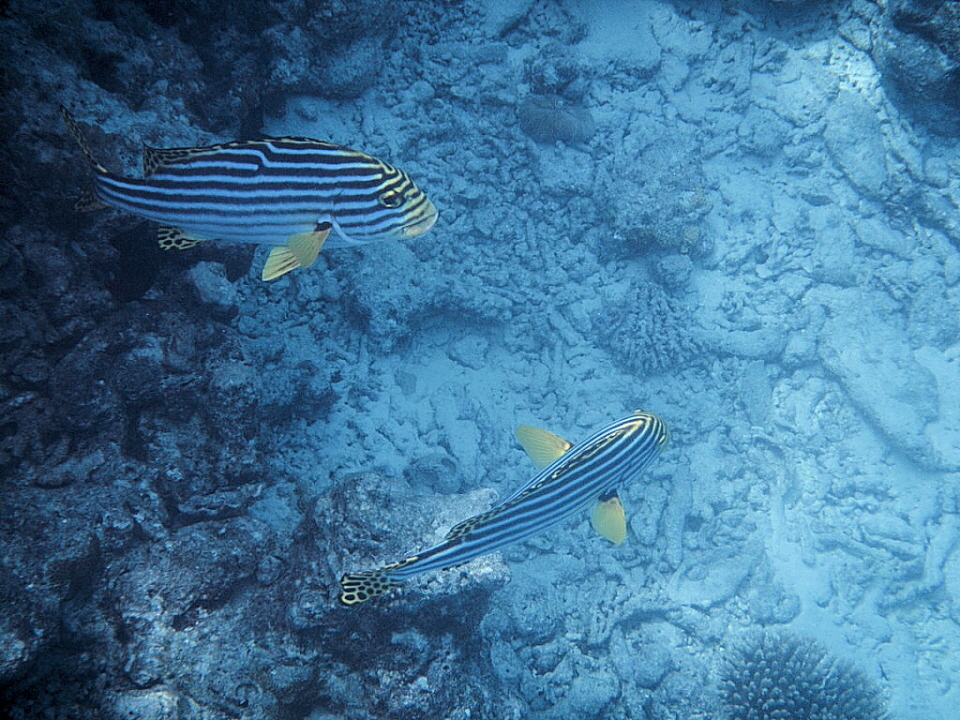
<point>388,204</point>
<point>418,213</point>
<point>648,423</point>
<point>421,217</point>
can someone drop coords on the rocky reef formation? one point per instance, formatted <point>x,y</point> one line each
<point>918,47</point>
<point>148,582</point>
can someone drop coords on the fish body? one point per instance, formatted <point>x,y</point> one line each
<point>581,474</point>
<point>294,193</point>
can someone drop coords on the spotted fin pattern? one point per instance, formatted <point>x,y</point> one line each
<point>358,587</point>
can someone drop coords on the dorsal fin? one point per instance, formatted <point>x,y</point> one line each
<point>542,446</point>
<point>468,525</point>
<point>154,158</point>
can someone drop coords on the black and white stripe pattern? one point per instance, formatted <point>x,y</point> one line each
<point>590,470</point>
<point>265,191</point>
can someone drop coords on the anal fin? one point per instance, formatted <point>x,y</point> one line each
<point>88,201</point>
<point>173,238</point>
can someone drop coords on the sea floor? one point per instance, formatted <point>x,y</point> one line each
<point>809,372</point>
<point>755,243</point>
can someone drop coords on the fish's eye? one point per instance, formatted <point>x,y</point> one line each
<point>391,198</point>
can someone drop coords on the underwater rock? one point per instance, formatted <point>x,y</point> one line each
<point>554,70</point>
<point>153,704</point>
<point>715,578</point>
<point>210,282</point>
<point>436,470</point>
<point>336,50</point>
<point>651,664</point>
<point>550,119</point>
<point>353,71</point>
<point>53,559</point>
<point>90,404</point>
<point>29,622</point>
<point>896,393</point>
<point>662,208</point>
<point>777,675</point>
<point>770,603</point>
<point>11,267</point>
<point>917,47</point>
<point>429,660</point>
<point>673,271</point>
<point>854,140</point>
<point>941,434</point>
<point>203,566</point>
<point>235,389</point>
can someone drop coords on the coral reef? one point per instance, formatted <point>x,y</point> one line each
<point>777,675</point>
<point>549,119</point>
<point>646,330</point>
<point>132,604</point>
<point>190,458</point>
<point>656,200</point>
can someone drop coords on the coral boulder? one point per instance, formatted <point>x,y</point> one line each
<point>777,675</point>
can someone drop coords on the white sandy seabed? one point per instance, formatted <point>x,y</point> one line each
<point>813,476</point>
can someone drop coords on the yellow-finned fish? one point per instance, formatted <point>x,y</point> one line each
<point>291,192</point>
<point>574,476</point>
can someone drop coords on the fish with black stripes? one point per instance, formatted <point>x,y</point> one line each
<point>294,193</point>
<point>573,477</point>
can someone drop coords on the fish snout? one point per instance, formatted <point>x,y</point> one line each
<point>422,221</point>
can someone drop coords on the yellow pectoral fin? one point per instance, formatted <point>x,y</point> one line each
<point>306,246</point>
<point>609,520</point>
<point>279,262</point>
<point>542,446</point>
<point>301,250</point>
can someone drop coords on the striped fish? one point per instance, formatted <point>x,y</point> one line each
<point>574,476</point>
<point>294,193</point>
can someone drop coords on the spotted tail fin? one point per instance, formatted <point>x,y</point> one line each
<point>358,587</point>
<point>81,141</point>
<point>88,200</point>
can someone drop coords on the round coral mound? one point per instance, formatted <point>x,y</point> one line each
<point>776,676</point>
<point>549,118</point>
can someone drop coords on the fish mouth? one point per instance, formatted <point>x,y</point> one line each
<point>426,220</point>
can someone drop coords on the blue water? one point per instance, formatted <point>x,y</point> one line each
<point>755,242</point>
